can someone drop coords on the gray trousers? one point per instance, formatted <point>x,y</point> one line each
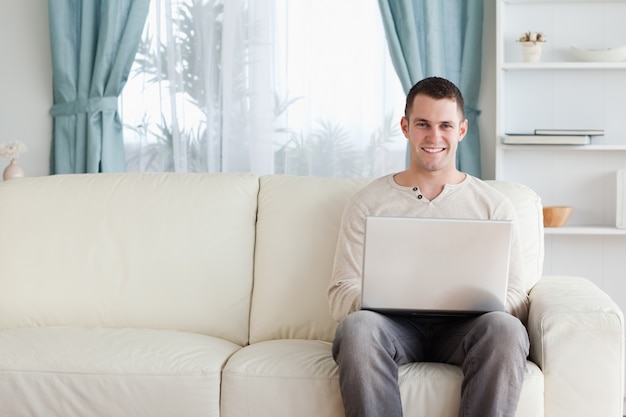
<point>491,349</point>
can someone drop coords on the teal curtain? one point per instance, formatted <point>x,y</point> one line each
<point>440,38</point>
<point>93,44</point>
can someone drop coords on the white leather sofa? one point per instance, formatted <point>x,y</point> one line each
<point>205,295</point>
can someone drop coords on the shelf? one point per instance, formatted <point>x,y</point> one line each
<point>540,66</point>
<point>575,148</point>
<point>585,230</point>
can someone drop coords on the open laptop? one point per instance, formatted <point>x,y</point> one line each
<point>435,266</point>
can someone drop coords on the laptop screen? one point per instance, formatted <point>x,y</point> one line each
<point>433,265</point>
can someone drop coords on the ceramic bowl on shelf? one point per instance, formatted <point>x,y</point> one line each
<point>600,55</point>
<point>556,216</point>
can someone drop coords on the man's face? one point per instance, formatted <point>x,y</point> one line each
<point>434,129</point>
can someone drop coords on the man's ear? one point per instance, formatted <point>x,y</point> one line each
<point>404,125</point>
<point>463,129</point>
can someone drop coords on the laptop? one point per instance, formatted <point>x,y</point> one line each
<point>435,266</point>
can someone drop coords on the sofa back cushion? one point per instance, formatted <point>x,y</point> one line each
<point>530,216</point>
<point>162,251</point>
<point>297,226</point>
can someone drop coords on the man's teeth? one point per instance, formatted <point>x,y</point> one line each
<point>433,150</point>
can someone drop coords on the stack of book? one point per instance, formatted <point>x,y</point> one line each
<point>553,137</point>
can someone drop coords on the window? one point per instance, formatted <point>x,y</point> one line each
<point>301,87</point>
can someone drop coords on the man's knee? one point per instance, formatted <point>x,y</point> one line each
<point>502,331</point>
<point>358,327</point>
<point>357,332</point>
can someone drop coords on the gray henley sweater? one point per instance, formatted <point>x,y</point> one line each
<point>470,199</point>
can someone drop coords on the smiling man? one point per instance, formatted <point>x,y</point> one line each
<point>434,127</point>
<point>491,348</point>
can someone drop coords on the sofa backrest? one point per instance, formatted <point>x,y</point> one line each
<point>164,251</point>
<point>530,216</point>
<point>297,226</point>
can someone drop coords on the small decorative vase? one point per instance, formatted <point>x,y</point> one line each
<point>531,51</point>
<point>12,171</point>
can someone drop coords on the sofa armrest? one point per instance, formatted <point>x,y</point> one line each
<point>577,338</point>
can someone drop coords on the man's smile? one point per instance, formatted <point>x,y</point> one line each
<point>433,150</point>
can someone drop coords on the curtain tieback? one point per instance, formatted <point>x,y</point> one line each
<point>472,110</point>
<point>85,105</point>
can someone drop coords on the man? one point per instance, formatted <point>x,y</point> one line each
<point>490,348</point>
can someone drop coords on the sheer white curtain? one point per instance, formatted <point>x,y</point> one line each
<point>269,86</point>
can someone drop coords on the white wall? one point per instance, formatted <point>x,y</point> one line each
<point>26,79</point>
<point>27,84</point>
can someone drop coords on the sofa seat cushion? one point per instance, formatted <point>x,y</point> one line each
<point>284,378</point>
<point>64,371</point>
<point>435,390</point>
<point>306,376</point>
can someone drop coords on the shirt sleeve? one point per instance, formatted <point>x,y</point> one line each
<point>344,291</point>
<point>517,296</point>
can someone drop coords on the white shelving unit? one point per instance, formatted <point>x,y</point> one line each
<point>561,93</point>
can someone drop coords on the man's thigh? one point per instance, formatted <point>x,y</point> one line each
<point>403,337</point>
<point>456,335</point>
